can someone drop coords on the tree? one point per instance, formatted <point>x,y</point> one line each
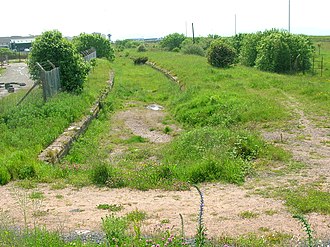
<point>172,41</point>
<point>61,52</point>
<point>102,45</point>
<point>221,54</point>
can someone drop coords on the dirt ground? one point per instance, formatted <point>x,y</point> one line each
<point>71,209</point>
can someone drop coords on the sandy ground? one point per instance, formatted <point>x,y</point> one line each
<point>15,72</point>
<point>72,209</point>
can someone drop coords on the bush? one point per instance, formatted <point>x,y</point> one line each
<point>100,174</point>
<point>142,48</point>
<point>283,52</point>
<point>140,60</point>
<point>27,171</point>
<point>221,54</point>
<point>172,41</point>
<point>193,49</point>
<point>4,176</point>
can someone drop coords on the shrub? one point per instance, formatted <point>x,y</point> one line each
<point>27,171</point>
<point>172,41</point>
<point>4,176</point>
<point>193,49</point>
<point>100,174</point>
<point>283,52</point>
<point>142,48</point>
<point>140,60</point>
<point>221,54</point>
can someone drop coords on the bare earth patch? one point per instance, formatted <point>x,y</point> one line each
<point>76,209</point>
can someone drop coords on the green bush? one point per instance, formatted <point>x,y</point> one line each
<point>221,54</point>
<point>27,171</point>
<point>282,52</point>
<point>100,174</point>
<point>4,176</point>
<point>172,41</point>
<point>140,60</point>
<point>193,49</point>
<point>142,48</point>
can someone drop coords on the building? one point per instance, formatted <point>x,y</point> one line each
<point>21,43</point>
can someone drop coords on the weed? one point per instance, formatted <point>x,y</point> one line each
<point>201,230</point>
<point>307,228</point>
<point>110,207</point>
<point>248,215</point>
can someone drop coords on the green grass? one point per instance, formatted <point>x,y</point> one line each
<point>306,200</point>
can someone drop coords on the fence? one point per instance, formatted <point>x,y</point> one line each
<point>318,64</point>
<point>50,79</point>
<point>89,54</point>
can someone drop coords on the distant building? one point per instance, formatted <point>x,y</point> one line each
<point>21,43</point>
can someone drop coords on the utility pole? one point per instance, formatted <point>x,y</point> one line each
<point>235,24</point>
<point>193,32</point>
<point>289,15</point>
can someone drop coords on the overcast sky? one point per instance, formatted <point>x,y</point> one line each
<point>157,18</point>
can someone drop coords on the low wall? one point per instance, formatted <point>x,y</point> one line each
<point>61,146</point>
<point>167,73</point>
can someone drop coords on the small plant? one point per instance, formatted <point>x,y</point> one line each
<point>136,217</point>
<point>111,207</point>
<point>4,176</point>
<point>27,171</point>
<point>307,228</point>
<point>100,174</point>
<point>36,195</point>
<point>201,230</point>
<point>167,130</point>
<point>115,229</point>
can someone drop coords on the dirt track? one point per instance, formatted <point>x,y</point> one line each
<point>70,209</point>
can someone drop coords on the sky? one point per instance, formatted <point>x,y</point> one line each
<point>157,18</point>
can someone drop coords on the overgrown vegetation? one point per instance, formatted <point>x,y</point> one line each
<point>26,129</point>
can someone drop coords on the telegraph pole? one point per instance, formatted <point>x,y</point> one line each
<point>235,24</point>
<point>289,15</point>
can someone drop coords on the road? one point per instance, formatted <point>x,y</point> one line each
<point>15,72</point>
